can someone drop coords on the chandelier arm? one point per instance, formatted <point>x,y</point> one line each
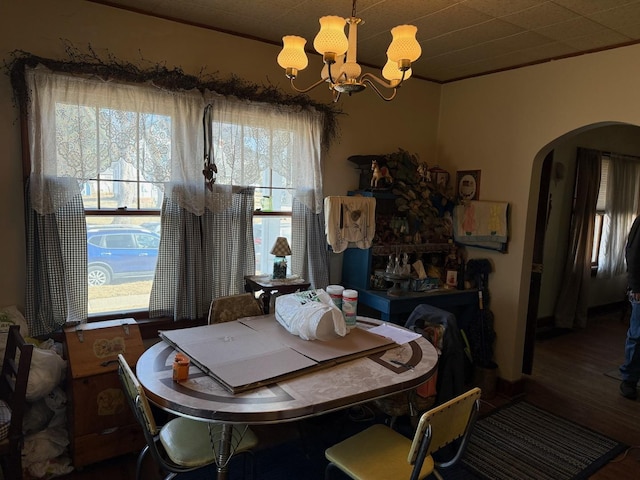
<point>329,72</point>
<point>375,89</point>
<point>308,89</point>
<point>372,78</point>
<point>341,76</point>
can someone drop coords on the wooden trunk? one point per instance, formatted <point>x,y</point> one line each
<point>101,424</point>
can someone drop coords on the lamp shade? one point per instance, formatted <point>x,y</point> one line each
<point>292,54</point>
<point>281,247</point>
<point>404,45</point>
<point>331,37</point>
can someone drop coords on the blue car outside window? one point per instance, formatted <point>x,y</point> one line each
<point>116,254</point>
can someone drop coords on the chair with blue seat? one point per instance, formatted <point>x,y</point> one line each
<point>182,444</point>
<point>381,453</point>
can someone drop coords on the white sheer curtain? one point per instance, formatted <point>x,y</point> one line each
<point>250,137</point>
<point>623,191</point>
<point>253,139</point>
<point>78,126</point>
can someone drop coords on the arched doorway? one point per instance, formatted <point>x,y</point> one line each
<point>554,167</point>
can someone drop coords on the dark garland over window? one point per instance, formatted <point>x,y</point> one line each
<point>175,79</point>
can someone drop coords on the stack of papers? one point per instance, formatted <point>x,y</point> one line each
<point>398,335</point>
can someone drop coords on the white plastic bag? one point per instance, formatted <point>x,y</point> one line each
<point>39,448</point>
<point>311,315</point>
<point>47,371</point>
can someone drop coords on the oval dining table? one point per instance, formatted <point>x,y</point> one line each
<point>345,384</point>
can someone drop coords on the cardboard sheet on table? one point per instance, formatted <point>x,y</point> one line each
<point>358,342</point>
<point>237,356</point>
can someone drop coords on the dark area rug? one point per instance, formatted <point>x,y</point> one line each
<point>521,441</point>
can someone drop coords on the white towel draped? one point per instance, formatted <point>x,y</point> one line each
<point>349,219</point>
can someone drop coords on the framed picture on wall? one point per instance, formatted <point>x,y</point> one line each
<point>468,182</point>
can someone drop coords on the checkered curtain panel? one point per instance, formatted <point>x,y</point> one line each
<point>57,288</point>
<point>310,255</point>
<point>202,257</point>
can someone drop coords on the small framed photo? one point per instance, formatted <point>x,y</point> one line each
<point>468,182</point>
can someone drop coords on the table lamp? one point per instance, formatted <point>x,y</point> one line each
<point>280,249</point>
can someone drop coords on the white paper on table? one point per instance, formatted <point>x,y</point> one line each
<point>398,335</point>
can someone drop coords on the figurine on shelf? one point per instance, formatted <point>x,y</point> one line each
<point>423,172</point>
<point>406,268</point>
<point>390,264</point>
<point>379,173</point>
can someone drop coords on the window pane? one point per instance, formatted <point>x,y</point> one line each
<point>265,231</point>
<point>601,203</point>
<point>597,236</point>
<point>273,200</point>
<point>122,253</point>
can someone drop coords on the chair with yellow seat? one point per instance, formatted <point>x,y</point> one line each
<point>181,445</point>
<point>233,307</point>
<point>381,453</point>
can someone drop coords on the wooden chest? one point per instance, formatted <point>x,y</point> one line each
<point>101,424</point>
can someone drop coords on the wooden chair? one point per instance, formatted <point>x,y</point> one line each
<point>182,444</point>
<point>13,389</point>
<point>232,307</point>
<point>381,453</point>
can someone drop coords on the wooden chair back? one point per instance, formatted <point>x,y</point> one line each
<point>14,378</point>
<point>233,307</point>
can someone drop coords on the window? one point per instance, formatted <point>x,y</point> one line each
<point>600,213</point>
<point>111,162</point>
<point>123,149</point>
<point>250,148</point>
<point>617,207</point>
<point>114,146</point>
<point>271,219</point>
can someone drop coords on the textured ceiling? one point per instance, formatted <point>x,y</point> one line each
<point>459,39</point>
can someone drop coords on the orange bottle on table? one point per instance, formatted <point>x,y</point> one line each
<point>180,367</point>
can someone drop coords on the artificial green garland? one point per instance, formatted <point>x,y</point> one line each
<point>173,79</point>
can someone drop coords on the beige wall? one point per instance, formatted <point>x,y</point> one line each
<point>368,126</point>
<point>505,124</point>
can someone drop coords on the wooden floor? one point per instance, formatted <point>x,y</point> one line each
<point>568,379</point>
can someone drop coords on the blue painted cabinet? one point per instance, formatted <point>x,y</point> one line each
<point>359,265</point>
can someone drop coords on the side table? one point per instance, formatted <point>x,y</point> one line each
<point>268,285</point>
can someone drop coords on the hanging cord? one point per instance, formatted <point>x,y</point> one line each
<point>210,170</point>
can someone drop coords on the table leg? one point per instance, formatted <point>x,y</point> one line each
<point>224,451</point>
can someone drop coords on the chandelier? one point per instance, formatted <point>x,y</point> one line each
<point>341,70</point>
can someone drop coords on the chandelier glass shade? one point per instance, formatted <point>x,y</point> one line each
<point>339,51</point>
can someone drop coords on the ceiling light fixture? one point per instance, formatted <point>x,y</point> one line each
<point>341,70</point>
